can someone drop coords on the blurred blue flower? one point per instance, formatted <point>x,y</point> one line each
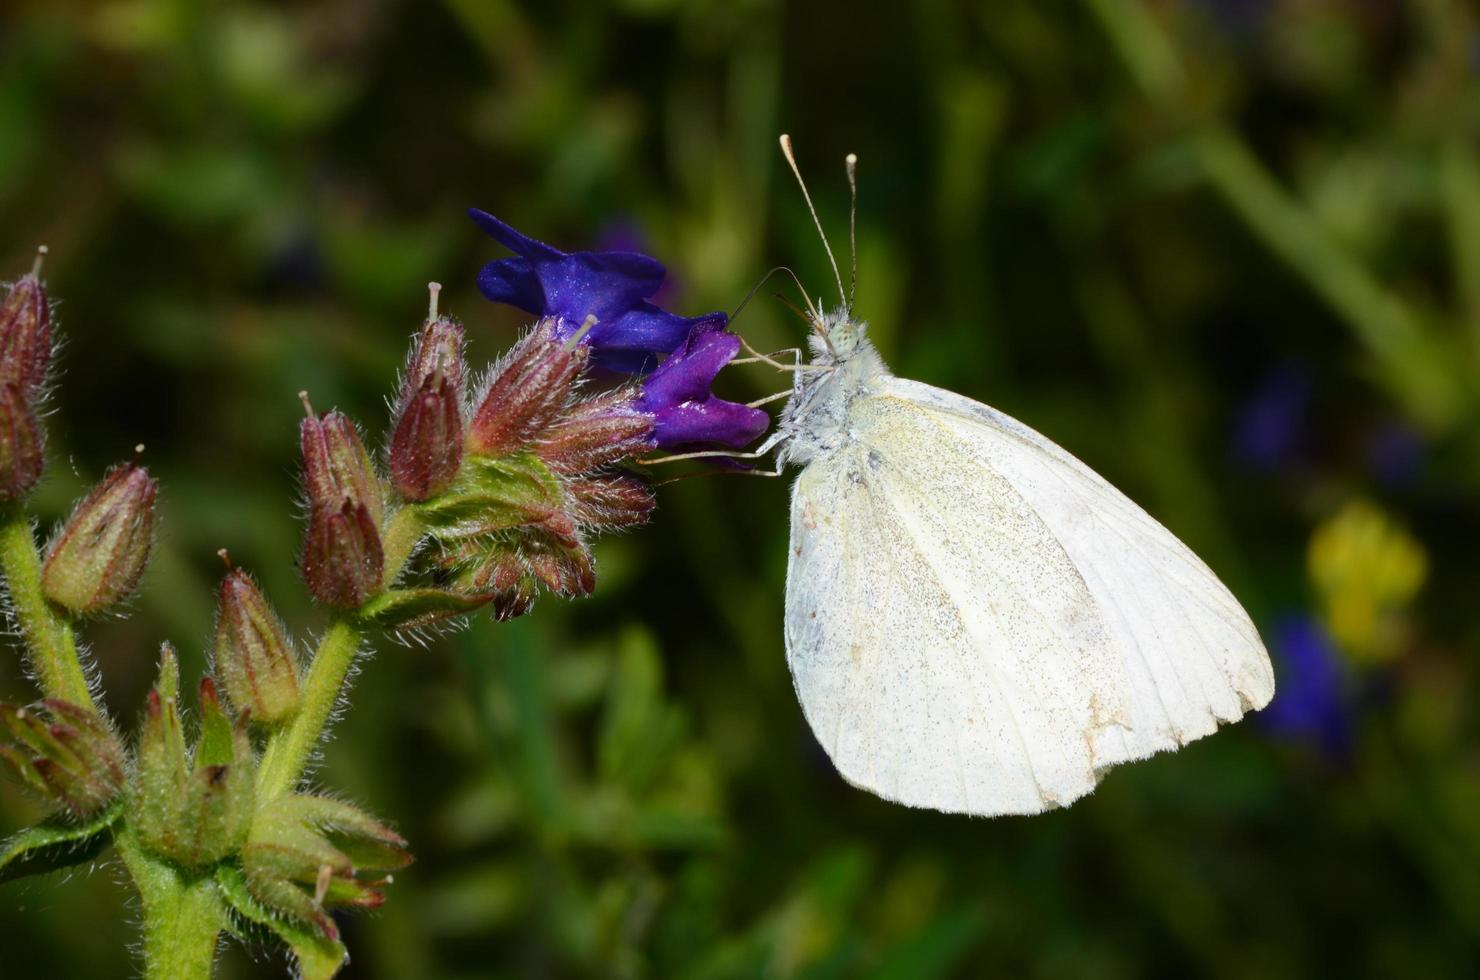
<point>677,394</point>
<point>1309,704</point>
<point>615,287</point>
<point>1395,454</point>
<point>1269,432</point>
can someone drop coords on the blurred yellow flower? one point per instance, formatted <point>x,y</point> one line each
<point>1366,570</point>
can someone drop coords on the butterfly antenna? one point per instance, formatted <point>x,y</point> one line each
<point>792,160</point>
<point>765,279</point>
<point>851,162</point>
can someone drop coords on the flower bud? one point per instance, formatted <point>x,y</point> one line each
<point>308,853</point>
<point>437,352</point>
<point>21,457</point>
<point>336,467</point>
<point>95,562</point>
<point>253,656</point>
<point>608,503</point>
<point>65,753</point>
<point>194,812</point>
<point>343,560</point>
<point>427,445</point>
<point>528,388</point>
<point>596,432</point>
<point>25,332</point>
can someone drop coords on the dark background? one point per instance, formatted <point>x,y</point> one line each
<point>1225,251</point>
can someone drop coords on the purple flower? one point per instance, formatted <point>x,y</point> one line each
<point>677,394</point>
<point>615,287</point>
<point>630,332</point>
<point>1308,704</point>
<point>1270,431</point>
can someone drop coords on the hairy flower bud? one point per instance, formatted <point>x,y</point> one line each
<point>597,432</point>
<point>306,854</point>
<point>253,656</point>
<point>607,503</point>
<point>342,560</point>
<point>427,445</point>
<point>95,562</point>
<point>336,467</point>
<point>21,457</point>
<point>25,332</point>
<point>194,811</point>
<point>527,390</point>
<point>66,753</point>
<point>437,352</point>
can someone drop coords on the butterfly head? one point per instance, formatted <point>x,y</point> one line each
<point>839,333</point>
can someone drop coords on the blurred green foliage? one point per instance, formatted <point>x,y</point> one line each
<point>1129,223</point>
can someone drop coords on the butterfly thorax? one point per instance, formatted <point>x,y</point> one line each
<point>845,367</point>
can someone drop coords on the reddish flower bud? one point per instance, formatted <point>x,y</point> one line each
<point>66,753</point>
<point>528,388</point>
<point>336,467</point>
<point>253,656</point>
<point>596,432</point>
<point>21,456</point>
<point>25,332</point>
<point>343,561</point>
<point>610,502</point>
<point>95,562</point>
<point>436,352</point>
<point>427,445</point>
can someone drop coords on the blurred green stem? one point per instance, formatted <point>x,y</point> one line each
<point>288,753</point>
<point>48,637</point>
<point>1412,361</point>
<point>183,917</point>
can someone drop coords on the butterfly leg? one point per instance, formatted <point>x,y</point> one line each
<point>756,357</point>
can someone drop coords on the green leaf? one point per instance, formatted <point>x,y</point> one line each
<point>639,728</point>
<point>319,957</point>
<point>417,607</point>
<point>57,844</point>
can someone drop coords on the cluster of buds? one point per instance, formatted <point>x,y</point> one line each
<point>307,854</point>
<point>25,360</point>
<point>67,754</point>
<point>509,484</point>
<point>541,476</point>
<point>192,806</point>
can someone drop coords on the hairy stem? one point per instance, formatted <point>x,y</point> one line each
<point>48,636</point>
<point>288,753</point>
<point>183,916</point>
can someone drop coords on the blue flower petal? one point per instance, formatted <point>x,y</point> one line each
<point>713,420</point>
<point>677,394</point>
<point>514,282</point>
<point>511,239</point>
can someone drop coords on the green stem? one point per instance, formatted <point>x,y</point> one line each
<point>288,753</point>
<point>289,750</point>
<point>183,916</point>
<point>48,637</point>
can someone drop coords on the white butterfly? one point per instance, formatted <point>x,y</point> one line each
<point>976,622</point>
